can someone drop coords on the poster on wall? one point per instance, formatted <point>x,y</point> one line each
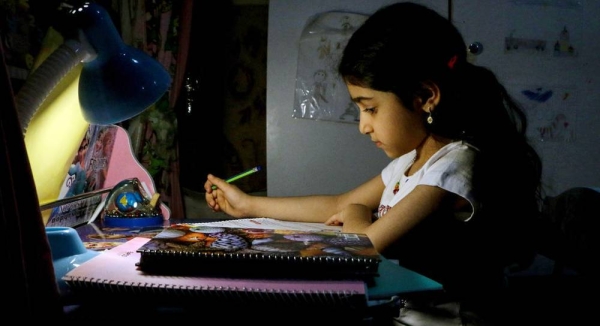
<point>558,34</point>
<point>550,110</point>
<point>320,92</point>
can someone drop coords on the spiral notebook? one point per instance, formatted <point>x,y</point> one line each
<point>114,272</point>
<point>197,249</point>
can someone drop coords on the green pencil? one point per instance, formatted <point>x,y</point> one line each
<point>241,175</point>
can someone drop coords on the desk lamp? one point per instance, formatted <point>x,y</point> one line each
<point>94,78</point>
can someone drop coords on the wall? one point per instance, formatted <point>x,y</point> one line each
<point>562,83</point>
<point>308,156</point>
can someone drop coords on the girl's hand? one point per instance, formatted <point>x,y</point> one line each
<point>226,198</point>
<point>336,219</point>
<point>355,218</point>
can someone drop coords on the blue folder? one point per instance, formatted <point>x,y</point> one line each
<point>395,280</point>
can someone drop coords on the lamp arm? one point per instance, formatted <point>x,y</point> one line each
<point>40,84</point>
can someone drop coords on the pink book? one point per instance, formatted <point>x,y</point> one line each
<point>115,272</point>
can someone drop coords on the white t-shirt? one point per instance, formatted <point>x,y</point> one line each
<point>450,168</point>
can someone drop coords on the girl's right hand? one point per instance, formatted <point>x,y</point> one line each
<point>226,198</point>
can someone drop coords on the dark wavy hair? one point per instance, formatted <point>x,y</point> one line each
<point>404,45</point>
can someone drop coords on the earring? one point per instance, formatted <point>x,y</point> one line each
<point>429,118</point>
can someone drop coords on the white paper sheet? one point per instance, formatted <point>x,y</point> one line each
<point>272,224</point>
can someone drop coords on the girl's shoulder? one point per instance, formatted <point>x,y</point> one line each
<point>457,150</point>
<point>460,145</point>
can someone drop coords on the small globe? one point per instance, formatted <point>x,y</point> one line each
<point>128,201</point>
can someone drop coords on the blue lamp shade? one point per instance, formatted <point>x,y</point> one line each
<point>121,81</point>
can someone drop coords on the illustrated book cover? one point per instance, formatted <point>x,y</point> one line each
<point>99,237</point>
<point>114,274</point>
<point>252,252</point>
<point>86,174</point>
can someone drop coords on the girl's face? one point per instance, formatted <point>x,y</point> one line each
<point>391,126</point>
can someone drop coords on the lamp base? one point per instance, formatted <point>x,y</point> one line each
<point>68,252</point>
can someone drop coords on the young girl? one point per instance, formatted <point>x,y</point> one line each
<point>457,200</point>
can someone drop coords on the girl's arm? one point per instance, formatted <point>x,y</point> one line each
<point>317,208</point>
<point>423,201</point>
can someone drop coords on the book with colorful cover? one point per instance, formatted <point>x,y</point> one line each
<point>113,274</point>
<point>87,173</point>
<point>184,249</point>
<point>99,237</point>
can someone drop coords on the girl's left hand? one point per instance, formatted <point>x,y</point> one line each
<point>354,217</point>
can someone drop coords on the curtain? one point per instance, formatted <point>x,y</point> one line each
<point>161,29</point>
<point>31,292</point>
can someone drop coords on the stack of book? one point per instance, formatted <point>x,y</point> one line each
<point>253,262</point>
<point>213,263</point>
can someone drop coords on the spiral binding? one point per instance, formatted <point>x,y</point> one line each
<point>266,256</point>
<point>303,297</point>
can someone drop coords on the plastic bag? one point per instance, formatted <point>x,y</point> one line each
<point>320,92</point>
